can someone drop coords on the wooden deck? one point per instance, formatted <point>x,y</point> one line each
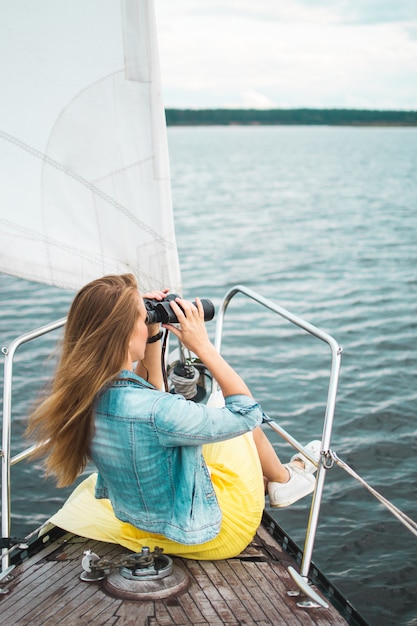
<point>250,589</point>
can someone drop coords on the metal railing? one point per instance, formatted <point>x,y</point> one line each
<point>327,457</point>
<point>326,460</point>
<point>336,352</point>
<point>7,461</point>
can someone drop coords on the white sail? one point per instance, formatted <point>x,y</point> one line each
<point>85,183</point>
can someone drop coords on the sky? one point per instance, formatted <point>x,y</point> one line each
<point>359,54</point>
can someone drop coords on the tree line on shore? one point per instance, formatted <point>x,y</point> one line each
<point>268,117</point>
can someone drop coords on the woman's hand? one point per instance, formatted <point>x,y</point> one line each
<point>192,332</point>
<point>156,295</point>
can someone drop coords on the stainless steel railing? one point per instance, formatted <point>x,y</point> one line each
<point>327,457</point>
<point>336,352</point>
<point>6,460</point>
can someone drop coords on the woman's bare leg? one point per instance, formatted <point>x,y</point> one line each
<point>285,484</point>
<point>272,468</point>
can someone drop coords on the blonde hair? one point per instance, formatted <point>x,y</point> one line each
<point>100,322</point>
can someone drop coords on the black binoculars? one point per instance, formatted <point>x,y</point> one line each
<point>161,311</point>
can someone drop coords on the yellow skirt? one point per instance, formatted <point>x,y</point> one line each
<point>238,482</point>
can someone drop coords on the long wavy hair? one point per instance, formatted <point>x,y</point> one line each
<point>95,344</point>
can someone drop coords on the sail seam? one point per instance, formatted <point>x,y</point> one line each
<point>102,261</point>
<point>34,235</point>
<point>122,169</point>
<point>96,190</point>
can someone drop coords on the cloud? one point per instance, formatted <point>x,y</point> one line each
<point>256,100</point>
<point>364,11</point>
<point>345,11</point>
<point>295,54</point>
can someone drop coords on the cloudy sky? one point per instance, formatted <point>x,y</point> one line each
<point>289,53</point>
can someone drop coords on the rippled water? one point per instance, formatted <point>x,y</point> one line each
<point>322,221</point>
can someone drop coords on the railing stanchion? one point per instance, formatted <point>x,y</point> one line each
<point>6,460</point>
<point>336,352</point>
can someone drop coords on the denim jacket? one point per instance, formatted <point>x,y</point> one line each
<point>147,448</point>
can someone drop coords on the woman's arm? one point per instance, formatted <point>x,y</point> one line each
<point>193,334</point>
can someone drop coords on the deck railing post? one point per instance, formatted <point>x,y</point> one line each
<point>325,446</point>
<point>336,352</point>
<point>6,460</point>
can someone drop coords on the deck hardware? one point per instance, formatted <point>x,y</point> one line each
<point>309,604</point>
<point>148,566</point>
<point>184,377</point>
<point>91,572</point>
<point>315,600</point>
<point>304,604</point>
<point>328,459</point>
<point>5,578</point>
<point>9,542</point>
<point>144,565</point>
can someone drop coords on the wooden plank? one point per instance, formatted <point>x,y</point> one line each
<point>276,607</point>
<point>47,591</point>
<point>176,608</point>
<point>243,571</point>
<point>191,608</point>
<point>202,601</point>
<point>247,590</point>
<point>220,609</point>
<point>101,614</point>
<point>66,596</point>
<point>44,584</point>
<point>36,570</point>
<point>231,595</point>
<point>75,604</point>
<point>175,612</point>
<point>281,582</point>
<point>43,587</point>
<point>134,614</point>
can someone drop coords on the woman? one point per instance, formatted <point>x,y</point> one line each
<point>184,476</point>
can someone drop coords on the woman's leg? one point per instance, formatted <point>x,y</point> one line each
<point>272,468</point>
<point>288,483</point>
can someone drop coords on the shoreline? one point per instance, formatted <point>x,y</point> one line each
<point>289,117</point>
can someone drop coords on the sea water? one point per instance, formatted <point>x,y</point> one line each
<point>323,221</point>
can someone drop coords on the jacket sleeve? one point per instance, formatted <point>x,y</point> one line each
<point>181,422</point>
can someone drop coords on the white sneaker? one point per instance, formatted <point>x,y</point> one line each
<point>300,484</point>
<point>314,447</point>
